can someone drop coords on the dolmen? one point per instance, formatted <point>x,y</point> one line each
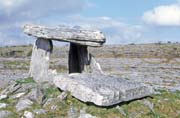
<point>85,80</point>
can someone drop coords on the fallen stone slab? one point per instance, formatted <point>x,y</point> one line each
<point>100,89</point>
<point>67,34</point>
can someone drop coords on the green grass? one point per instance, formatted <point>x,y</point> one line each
<point>52,92</point>
<point>166,105</point>
<point>25,81</point>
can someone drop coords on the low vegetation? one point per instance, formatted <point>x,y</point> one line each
<point>164,104</point>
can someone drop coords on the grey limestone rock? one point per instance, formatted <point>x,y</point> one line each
<point>83,114</point>
<point>67,34</point>
<point>23,104</point>
<point>39,111</point>
<point>62,96</point>
<point>4,83</point>
<point>36,95</point>
<point>11,89</point>
<point>28,114</point>
<point>3,105</point>
<point>18,95</point>
<point>39,66</point>
<point>2,97</point>
<point>121,110</point>
<point>101,89</point>
<point>149,104</point>
<point>73,112</point>
<point>50,102</point>
<point>5,114</point>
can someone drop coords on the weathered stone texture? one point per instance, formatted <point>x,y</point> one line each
<point>39,67</point>
<point>74,35</point>
<point>101,89</point>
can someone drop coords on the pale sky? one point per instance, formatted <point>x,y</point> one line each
<point>122,21</point>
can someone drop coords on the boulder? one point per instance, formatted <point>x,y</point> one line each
<point>101,89</point>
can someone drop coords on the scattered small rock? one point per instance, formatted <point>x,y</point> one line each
<point>36,95</point>
<point>11,89</point>
<point>50,102</point>
<point>62,96</point>
<point>18,95</point>
<point>157,92</point>
<point>83,114</point>
<point>23,104</point>
<point>3,105</point>
<point>25,87</point>
<point>121,110</point>
<point>2,97</point>
<point>5,114</point>
<point>73,112</point>
<point>54,107</point>
<point>28,114</point>
<point>39,111</point>
<point>149,104</point>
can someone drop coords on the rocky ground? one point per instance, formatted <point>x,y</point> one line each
<point>159,67</point>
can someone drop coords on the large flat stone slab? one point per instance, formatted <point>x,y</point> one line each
<point>80,36</point>
<point>100,89</point>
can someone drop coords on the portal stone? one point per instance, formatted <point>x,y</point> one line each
<point>39,67</point>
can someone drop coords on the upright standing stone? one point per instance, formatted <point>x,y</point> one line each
<point>78,58</point>
<point>40,60</point>
<point>81,61</point>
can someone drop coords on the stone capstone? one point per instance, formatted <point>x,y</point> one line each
<point>100,89</point>
<point>68,34</point>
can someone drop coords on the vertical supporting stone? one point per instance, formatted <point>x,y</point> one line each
<point>81,61</point>
<point>39,65</point>
<point>78,58</point>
